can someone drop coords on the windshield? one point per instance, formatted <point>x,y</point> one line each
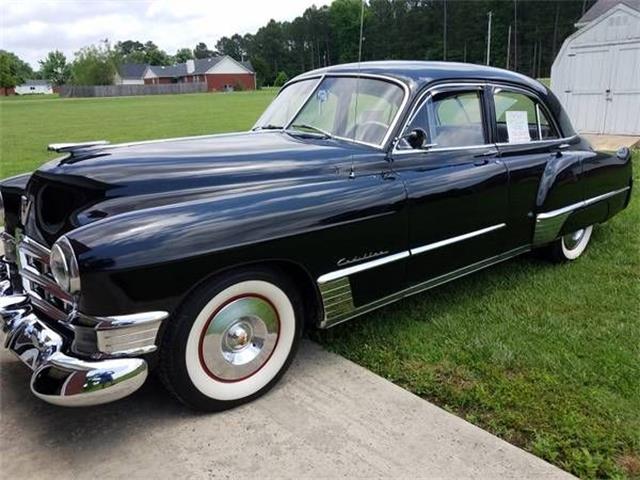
<point>286,104</point>
<point>336,110</point>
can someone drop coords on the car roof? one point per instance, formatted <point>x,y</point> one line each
<point>417,74</point>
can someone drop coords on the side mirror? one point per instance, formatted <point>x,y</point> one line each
<point>417,138</point>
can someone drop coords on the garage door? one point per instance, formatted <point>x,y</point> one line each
<point>604,95</point>
<point>622,112</point>
<point>590,74</point>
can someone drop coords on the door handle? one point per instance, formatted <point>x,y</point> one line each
<point>488,153</point>
<point>483,158</point>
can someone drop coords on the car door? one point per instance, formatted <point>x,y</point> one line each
<point>528,152</point>
<point>456,185</point>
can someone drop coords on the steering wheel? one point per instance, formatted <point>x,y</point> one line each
<point>368,129</point>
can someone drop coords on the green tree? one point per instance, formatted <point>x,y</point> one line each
<point>154,56</point>
<point>94,65</point>
<point>13,70</point>
<point>55,68</point>
<point>201,51</point>
<point>232,46</point>
<point>183,54</point>
<point>281,79</point>
<point>7,73</point>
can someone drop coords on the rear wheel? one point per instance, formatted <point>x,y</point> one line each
<point>570,246</point>
<point>232,340</point>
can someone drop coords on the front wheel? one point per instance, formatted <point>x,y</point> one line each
<point>232,339</point>
<point>570,246</point>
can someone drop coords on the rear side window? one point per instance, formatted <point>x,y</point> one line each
<point>520,119</point>
<point>451,119</point>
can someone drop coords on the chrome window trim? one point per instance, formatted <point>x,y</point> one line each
<point>538,142</point>
<point>459,238</point>
<point>582,204</point>
<point>538,101</point>
<point>423,97</point>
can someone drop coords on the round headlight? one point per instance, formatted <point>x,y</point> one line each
<point>64,266</point>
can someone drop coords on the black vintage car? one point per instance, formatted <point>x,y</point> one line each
<point>206,257</point>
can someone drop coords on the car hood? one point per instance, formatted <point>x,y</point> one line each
<point>95,183</point>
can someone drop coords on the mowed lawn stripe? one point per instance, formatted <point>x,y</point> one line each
<point>545,356</point>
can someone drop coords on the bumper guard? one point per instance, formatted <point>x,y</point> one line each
<point>66,380</point>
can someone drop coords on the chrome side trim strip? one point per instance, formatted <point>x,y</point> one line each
<point>434,282</point>
<point>584,203</point>
<point>459,238</point>
<point>327,277</point>
<point>549,224</point>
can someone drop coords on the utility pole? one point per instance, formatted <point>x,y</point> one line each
<point>444,46</point>
<point>489,39</point>
<point>508,47</point>
<point>515,35</point>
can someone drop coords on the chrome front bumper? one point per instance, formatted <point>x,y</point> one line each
<point>61,378</point>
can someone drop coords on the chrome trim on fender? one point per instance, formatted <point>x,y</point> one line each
<point>584,203</point>
<point>549,224</point>
<point>459,238</point>
<point>327,277</point>
<point>118,335</point>
<point>335,287</point>
<point>347,314</point>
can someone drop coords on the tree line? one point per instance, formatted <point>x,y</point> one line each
<point>525,36</point>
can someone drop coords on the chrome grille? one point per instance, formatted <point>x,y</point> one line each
<point>37,280</point>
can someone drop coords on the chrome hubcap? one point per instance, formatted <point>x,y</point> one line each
<point>572,240</point>
<point>240,338</point>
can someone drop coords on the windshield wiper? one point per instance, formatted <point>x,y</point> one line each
<point>269,126</point>
<point>305,126</point>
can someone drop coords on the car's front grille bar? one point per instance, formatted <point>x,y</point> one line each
<point>38,281</point>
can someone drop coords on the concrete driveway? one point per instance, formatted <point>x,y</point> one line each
<point>328,418</point>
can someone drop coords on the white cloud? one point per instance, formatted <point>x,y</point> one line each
<point>31,28</point>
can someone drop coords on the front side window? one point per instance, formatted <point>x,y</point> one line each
<point>450,119</point>
<point>520,119</point>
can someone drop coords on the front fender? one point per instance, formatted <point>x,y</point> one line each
<point>151,258</point>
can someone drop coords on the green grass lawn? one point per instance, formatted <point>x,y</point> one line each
<point>29,124</point>
<point>545,356</point>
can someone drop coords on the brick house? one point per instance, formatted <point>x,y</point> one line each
<point>220,73</point>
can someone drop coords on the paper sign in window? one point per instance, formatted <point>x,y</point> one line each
<point>517,126</point>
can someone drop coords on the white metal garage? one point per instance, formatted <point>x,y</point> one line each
<point>596,74</point>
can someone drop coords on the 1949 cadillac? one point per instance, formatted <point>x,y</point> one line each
<point>205,258</point>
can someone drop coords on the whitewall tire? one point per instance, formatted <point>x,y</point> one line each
<point>571,246</point>
<point>232,340</point>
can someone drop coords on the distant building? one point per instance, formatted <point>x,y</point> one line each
<point>130,74</point>
<point>596,74</point>
<point>34,87</point>
<point>221,73</point>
